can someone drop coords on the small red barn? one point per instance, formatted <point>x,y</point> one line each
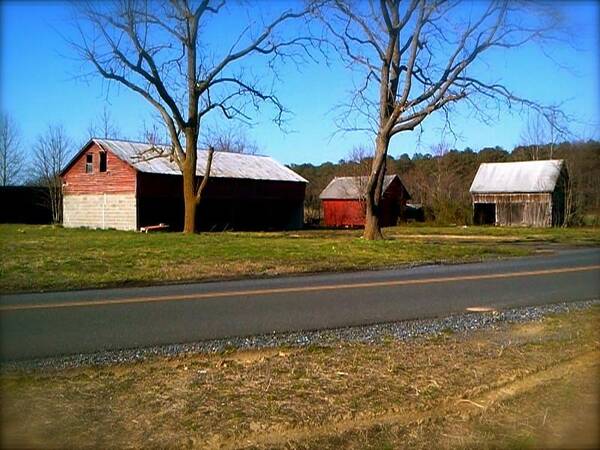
<point>344,201</point>
<point>129,185</point>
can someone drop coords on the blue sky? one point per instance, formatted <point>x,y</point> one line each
<point>40,85</point>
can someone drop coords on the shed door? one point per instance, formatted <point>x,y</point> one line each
<point>484,213</point>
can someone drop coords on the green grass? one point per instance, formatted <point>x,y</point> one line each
<point>573,236</point>
<point>52,258</point>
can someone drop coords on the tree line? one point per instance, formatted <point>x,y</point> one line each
<point>439,180</point>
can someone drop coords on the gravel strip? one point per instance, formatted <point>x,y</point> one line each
<point>403,330</point>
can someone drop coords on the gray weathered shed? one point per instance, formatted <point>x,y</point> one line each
<point>528,193</point>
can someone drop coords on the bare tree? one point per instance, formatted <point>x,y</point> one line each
<point>51,152</point>
<point>104,126</point>
<point>533,136</point>
<point>541,133</point>
<point>555,131</point>
<point>571,205</point>
<point>154,134</point>
<point>163,51</point>
<point>12,159</point>
<point>445,191</point>
<point>232,140</point>
<point>360,159</point>
<point>418,57</point>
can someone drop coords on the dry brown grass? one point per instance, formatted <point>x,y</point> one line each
<point>506,387</point>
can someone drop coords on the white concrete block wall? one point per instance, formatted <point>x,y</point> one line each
<point>100,211</point>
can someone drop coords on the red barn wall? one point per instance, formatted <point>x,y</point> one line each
<point>343,213</point>
<point>100,199</point>
<point>119,177</point>
<point>351,212</point>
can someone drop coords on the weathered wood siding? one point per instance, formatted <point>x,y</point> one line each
<point>530,208</point>
<point>519,209</point>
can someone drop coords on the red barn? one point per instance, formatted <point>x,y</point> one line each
<point>344,204</point>
<point>129,185</point>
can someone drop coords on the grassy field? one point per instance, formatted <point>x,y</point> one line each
<point>52,258</point>
<point>515,386</point>
<point>575,236</point>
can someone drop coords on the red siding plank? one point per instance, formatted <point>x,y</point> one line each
<point>343,213</point>
<point>119,177</point>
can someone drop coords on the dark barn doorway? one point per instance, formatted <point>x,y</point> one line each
<point>484,213</point>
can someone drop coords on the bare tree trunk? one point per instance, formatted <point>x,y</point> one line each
<point>569,206</point>
<point>372,226</point>
<point>189,192</point>
<point>375,190</point>
<point>192,191</point>
<point>56,201</point>
<point>189,225</point>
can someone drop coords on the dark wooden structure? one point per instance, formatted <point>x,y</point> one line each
<point>228,203</point>
<point>129,185</point>
<point>529,193</point>
<point>344,205</point>
<point>25,204</point>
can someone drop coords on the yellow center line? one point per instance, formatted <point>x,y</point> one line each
<point>271,291</point>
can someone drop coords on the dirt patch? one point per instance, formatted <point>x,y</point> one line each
<point>466,390</point>
<point>529,330</point>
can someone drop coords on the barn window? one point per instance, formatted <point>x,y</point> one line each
<point>89,163</point>
<point>102,161</point>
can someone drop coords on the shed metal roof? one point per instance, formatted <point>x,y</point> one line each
<point>525,177</point>
<point>148,158</point>
<point>350,188</point>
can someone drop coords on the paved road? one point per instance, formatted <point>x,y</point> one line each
<point>50,324</point>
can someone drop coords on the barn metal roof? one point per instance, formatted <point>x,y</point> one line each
<point>350,188</point>
<point>155,159</point>
<point>526,176</point>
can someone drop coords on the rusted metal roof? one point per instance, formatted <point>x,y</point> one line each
<point>350,188</point>
<point>155,159</point>
<point>526,177</point>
